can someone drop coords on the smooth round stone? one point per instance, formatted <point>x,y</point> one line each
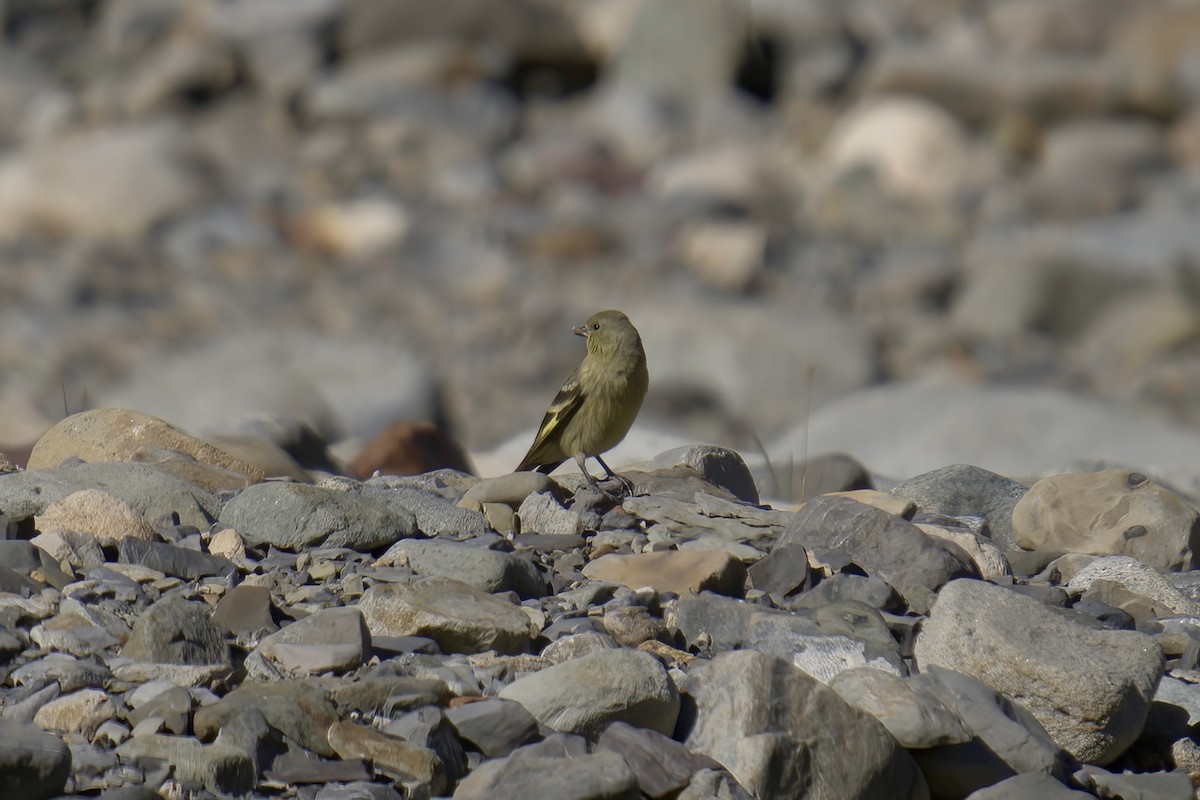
<point>1090,688</point>
<point>1111,512</point>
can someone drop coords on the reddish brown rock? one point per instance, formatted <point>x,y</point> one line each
<point>409,448</point>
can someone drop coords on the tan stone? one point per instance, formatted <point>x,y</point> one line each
<point>116,434</point>
<point>885,501</point>
<point>109,519</point>
<point>728,255</point>
<point>667,655</point>
<point>673,571</point>
<point>632,625</point>
<point>387,753</point>
<point>78,712</point>
<point>1111,512</point>
<point>227,542</point>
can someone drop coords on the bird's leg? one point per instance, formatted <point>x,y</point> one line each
<point>581,459</point>
<point>626,484</point>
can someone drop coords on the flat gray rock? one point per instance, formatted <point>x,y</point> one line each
<point>435,515</point>
<point>332,640</point>
<point>1175,785</point>
<point>964,490</point>
<point>168,559</point>
<point>475,565</point>
<point>887,546</point>
<point>602,776</point>
<point>1090,689</point>
<point>459,618</point>
<point>822,641</point>
<point>495,727</point>
<point>911,713</point>
<point>1135,578</point>
<point>585,694</point>
<point>66,671</point>
<point>153,493</point>
<point>245,609</point>
<point>294,516</point>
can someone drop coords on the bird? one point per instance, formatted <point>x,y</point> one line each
<point>597,403</point>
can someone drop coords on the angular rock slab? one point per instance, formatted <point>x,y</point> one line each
<point>459,618</point>
<point>673,571</point>
<point>388,753</point>
<point>79,712</point>
<point>294,516</point>
<point>334,639</point>
<point>33,764</point>
<point>493,726</point>
<point>1090,688</point>
<point>435,515</point>
<point>911,713</point>
<point>662,766</point>
<point>1111,512</point>
<point>783,734</point>
<point>1137,579</point>
<point>892,548</point>
<point>1007,739</point>
<point>585,694</point>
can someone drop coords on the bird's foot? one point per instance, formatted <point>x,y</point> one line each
<point>627,488</point>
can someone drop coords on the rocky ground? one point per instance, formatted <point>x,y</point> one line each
<point>184,622</point>
<point>863,242</point>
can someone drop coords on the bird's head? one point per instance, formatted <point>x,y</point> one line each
<point>607,331</point>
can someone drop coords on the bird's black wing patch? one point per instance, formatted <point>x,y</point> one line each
<point>566,404</point>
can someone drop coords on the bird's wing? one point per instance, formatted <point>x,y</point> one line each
<point>566,403</point>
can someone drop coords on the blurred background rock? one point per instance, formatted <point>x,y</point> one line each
<point>350,213</point>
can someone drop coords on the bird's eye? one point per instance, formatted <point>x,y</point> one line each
<point>595,326</point>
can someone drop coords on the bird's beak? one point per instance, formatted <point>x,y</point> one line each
<point>580,330</point>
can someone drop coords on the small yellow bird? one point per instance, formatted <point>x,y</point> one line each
<point>598,402</point>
